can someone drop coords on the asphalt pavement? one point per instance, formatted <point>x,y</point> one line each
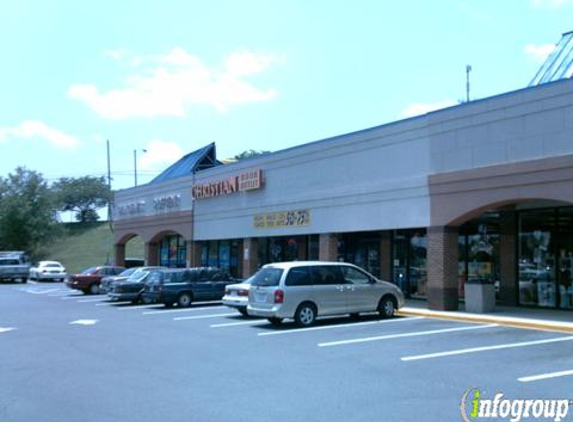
<point>66,357</point>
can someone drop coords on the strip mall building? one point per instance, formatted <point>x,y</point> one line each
<point>479,191</point>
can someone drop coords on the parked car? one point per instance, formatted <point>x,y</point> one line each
<point>48,270</point>
<point>132,287</point>
<point>183,286</point>
<point>14,265</point>
<point>237,296</point>
<point>88,280</point>
<point>305,290</point>
<point>107,281</point>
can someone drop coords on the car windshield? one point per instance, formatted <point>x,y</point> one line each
<point>90,270</point>
<point>9,262</point>
<point>128,272</point>
<point>267,277</point>
<point>52,265</point>
<point>138,276</point>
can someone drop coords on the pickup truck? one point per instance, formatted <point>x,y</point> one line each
<point>14,265</point>
<point>184,286</point>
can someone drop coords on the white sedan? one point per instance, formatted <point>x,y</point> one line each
<point>48,270</point>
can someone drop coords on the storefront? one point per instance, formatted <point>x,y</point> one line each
<point>486,193</point>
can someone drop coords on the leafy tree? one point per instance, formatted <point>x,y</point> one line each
<point>84,195</point>
<point>249,154</point>
<point>28,213</point>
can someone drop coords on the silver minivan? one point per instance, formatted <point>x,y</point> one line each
<point>304,290</point>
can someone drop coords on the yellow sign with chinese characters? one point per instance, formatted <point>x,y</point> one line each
<point>281,219</point>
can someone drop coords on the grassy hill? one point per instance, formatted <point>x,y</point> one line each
<point>86,245</point>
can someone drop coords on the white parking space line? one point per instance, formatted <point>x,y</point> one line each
<point>6,329</point>
<point>546,376</point>
<point>170,311</point>
<point>138,307</point>
<point>100,299</point>
<point>233,324</point>
<point>84,322</point>
<point>32,282</point>
<point>70,297</point>
<point>40,292</point>
<point>113,303</point>
<point>202,316</point>
<point>486,348</point>
<point>404,335</point>
<point>329,327</point>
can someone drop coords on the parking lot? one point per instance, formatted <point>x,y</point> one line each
<point>69,357</point>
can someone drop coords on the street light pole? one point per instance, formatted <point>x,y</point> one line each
<point>135,166</point>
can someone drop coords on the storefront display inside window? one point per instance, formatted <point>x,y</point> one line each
<point>409,261</point>
<point>546,258</point>
<point>172,252</point>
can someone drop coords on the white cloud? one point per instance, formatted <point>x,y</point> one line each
<point>550,3</point>
<point>158,154</point>
<point>34,129</point>
<point>177,80</point>
<point>415,109</point>
<point>539,52</point>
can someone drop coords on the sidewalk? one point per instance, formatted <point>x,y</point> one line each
<point>539,319</point>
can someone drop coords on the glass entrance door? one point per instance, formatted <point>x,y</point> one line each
<point>565,258</point>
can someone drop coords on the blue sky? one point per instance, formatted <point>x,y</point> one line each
<point>172,76</point>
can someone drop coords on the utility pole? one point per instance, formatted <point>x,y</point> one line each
<point>135,166</point>
<point>109,216</point>
<point>468,70</point>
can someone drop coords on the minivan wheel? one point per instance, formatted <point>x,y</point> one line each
<point>387,307</point>
<point>94,289</point>
<point>184,300</point>
<point>305,315</point>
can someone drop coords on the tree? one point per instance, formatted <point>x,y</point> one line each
<point>249,154</point>
<point>83,195</point>
<point>28,213</point>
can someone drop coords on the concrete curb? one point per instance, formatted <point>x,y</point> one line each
<point>532,324</point>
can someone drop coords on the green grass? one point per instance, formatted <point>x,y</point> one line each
<point>86,245</point>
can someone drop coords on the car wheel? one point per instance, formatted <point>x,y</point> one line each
<point>146,300</point>
<point>275,321</point>
<point>135,301</point>
<point>184,300</point>
<point>243,312</point>
<point>94,289</point>
<point>305,315</point>
<point>387,307</point>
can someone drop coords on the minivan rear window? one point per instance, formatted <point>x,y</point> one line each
<point>267,277</point>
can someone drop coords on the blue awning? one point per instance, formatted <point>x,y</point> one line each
<point>193,162</point>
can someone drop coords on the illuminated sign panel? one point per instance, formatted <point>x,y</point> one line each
<point>243,182</point>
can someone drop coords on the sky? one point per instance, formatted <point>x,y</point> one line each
<point>166,77</point>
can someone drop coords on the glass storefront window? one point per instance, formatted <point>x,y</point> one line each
<point>222,254</point>
<point>173,252</point>
<point>478,248</point>
<point>409,261</point>
<point>361,249</point>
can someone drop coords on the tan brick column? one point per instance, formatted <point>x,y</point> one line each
<point>250,256</point>
<point>119,255</point>
<point>193,255</point>
<point>151,253</point>
<point>442,267</point>
<point>328,247</point>
<point>386,255</point>
<point>508,283</point>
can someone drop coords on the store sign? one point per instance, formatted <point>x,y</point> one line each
<point>250,180</point>
<point>281,219</point>
<point>168,202</point>
<point>131,208</point>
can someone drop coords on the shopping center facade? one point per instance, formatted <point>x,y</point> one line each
<point>479,191</point>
